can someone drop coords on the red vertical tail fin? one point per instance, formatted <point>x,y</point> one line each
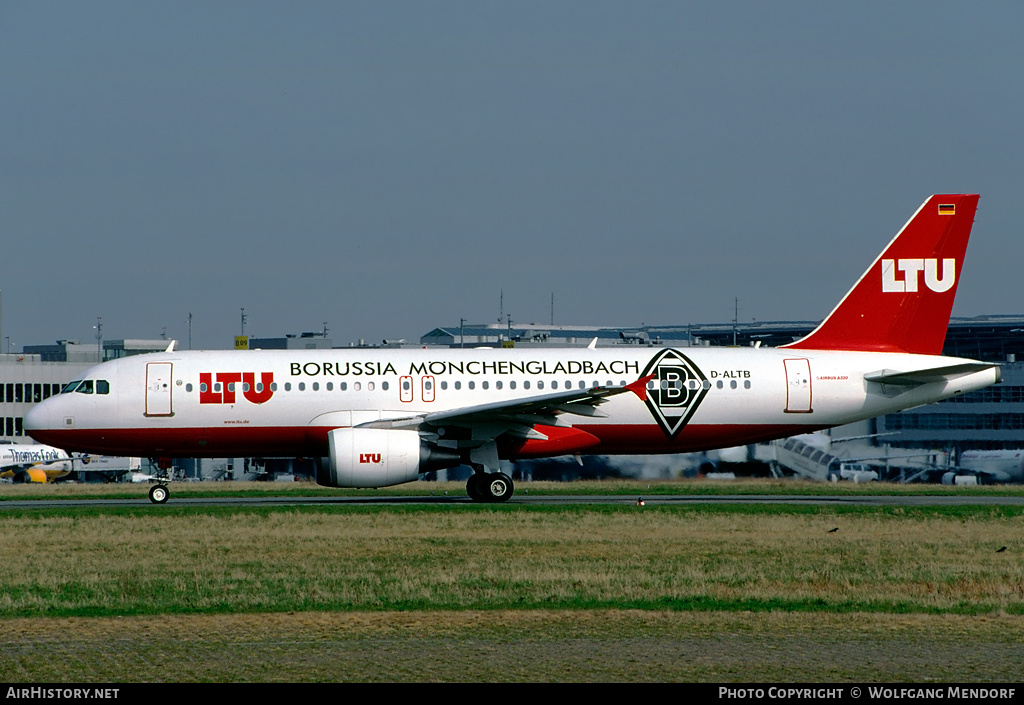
<point>902,303</point>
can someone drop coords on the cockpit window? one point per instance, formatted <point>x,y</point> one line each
<point>87,386</point>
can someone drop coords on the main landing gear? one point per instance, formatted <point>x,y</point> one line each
<point>484,486</point>
<point>489,487</point>
<point>158,494</point>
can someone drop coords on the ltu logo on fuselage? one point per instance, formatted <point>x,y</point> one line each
<point>910,268</point>
<point>676,390</point>
<point>230,382</point>
<point>374,458</point>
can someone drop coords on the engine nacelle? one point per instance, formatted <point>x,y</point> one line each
<point>378,457</point>
<point>29,475</point>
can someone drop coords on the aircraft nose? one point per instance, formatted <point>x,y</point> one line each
<point>40,418</point>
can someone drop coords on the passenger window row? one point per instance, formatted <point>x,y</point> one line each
<point>444,384</point>
<point>385,386</point>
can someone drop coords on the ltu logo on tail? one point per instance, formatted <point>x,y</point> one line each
<point>911,268</point>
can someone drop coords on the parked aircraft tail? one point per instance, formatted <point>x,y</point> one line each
<point>903,301</point>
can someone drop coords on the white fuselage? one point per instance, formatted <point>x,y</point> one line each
<point>284,403</point>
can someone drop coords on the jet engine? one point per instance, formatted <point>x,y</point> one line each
<point>29,475</point>
<point>378,457</point>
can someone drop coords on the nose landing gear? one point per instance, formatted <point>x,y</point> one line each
<point>158,494</point>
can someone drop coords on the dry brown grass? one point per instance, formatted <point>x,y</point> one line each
<point>471,557</point>
<point>478,593</point>
<point>547,645</point>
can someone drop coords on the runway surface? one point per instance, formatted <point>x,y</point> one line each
<point>528,499</point>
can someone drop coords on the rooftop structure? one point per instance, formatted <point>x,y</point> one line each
<point>75,351</point>
<point>473,335</point>
<point>986,338</point>
<point>306,341</point>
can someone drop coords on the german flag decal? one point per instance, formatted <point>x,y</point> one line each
<point>947,209</point>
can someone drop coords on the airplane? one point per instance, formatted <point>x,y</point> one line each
<point>23,462</point>
<point>381,417</point>
<point>999,465</point>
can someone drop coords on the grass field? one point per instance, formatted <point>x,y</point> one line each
<point>511,592</point>
<point>519,645</point>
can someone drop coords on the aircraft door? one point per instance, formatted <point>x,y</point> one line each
<point>798,386</point>
<point>158,389</point>
<point>405,388</point>
<point>428,388</point>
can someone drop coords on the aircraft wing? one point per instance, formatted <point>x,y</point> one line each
<point>519,416</point>
<point>17,467</point>
<point>8,471</point>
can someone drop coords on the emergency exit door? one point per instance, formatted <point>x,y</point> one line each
<point>158,389</point>
<point>798,386</point>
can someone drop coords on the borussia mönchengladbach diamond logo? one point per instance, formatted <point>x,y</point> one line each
<point>678,389</point>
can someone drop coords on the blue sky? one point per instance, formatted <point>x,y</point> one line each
<point>390,166</point>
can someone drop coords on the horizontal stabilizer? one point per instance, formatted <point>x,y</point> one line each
<point>932,374</point>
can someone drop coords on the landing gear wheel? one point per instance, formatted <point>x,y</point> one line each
<point>158,494</point>
<point>498,487</point>
<point>474,487</point>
